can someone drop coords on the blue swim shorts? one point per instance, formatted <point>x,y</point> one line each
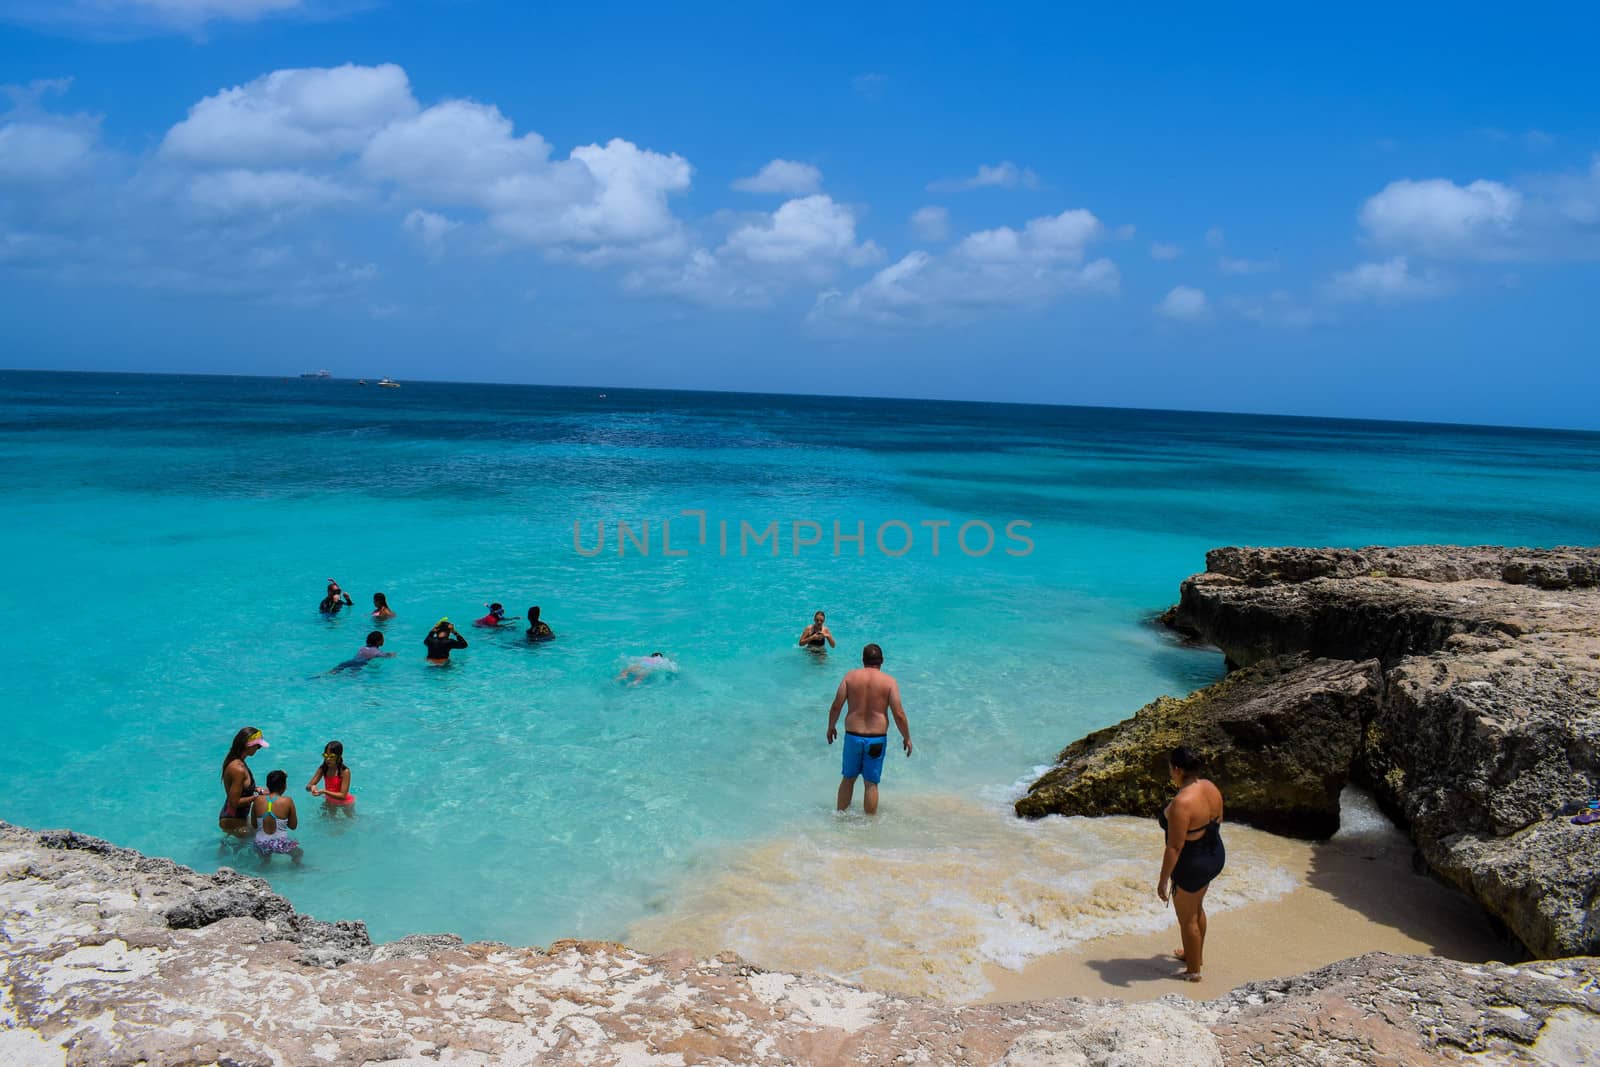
<point>863,756</point>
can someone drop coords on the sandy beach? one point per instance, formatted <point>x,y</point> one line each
<point>1357,893</point>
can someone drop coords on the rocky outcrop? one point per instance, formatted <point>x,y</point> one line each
<point>1482,719</point>
<point>111,958</point>
<point>1284,736</point>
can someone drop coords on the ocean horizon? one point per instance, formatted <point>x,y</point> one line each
<point>601,387</point>
<point>170,537</point>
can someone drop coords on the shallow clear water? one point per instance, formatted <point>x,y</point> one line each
<point>167,539</point>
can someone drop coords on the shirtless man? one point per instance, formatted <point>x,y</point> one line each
<point>817,637</point>
<point>871,695</point>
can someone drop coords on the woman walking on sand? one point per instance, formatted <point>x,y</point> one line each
<point>1194,854</point>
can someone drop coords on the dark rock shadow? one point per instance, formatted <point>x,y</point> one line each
<point>1375,875</point>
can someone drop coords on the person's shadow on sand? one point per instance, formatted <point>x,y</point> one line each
<point>1128,970</point>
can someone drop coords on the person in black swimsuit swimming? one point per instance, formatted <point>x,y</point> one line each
<point>1194,853</point>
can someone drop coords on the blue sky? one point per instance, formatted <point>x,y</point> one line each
<point>1388,212</point>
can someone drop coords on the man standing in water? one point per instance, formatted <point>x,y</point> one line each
<point>871,694</point>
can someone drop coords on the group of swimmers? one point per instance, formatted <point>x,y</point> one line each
<point>442,638</point>
<point>265,816</point>
<point>1191,823</point>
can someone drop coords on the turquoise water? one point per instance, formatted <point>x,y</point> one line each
<point>167,539</point>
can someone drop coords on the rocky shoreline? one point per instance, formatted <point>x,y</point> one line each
<point>1460,685</point>
<point>113,958</point>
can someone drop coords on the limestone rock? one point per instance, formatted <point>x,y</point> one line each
<point>1281,736</point>
<point>1482,717</point>
<point>92,975</point>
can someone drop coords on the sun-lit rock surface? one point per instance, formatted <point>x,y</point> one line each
<point>1460,685</point>
<point>111,957</point>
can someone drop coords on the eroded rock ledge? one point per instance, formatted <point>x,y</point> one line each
<point>1461,685</point>
<point>110,957</point>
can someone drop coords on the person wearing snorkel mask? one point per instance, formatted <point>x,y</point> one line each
<point>337,598</point>
<point>441,640</point>
<point>334,777</point>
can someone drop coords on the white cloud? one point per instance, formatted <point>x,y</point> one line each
<point>292,116</point>
<point>1229,265</point>
<point>248,192</point>
<point>806,240</point>
<point>1215,238</point>
<point>46,150</point>
<point>931,223</point>
<point>1390,281</point>
<point>1005,175</point>
<point>248,162</point>
<point>468,154</point>
<point>1279,309</point>
<point>1164,251</point>
<point>1183,304</point>
<point>429,227</point>
<point>783,176</point>
<point>987,271</point>
<point>1439,218</point>
<point>37,146</point>
<point>702,278</point>
<point>808,232</point>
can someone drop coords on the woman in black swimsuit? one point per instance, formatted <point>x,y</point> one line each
<point>1194,853</point>
<point>238,784</point>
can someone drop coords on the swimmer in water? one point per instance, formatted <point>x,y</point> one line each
<point>271,815</point>
<point>496,616</point>
<point>335,778</point>
<point>336,599</point>
<point>238,784</point>
<point>817,637</point>
<point>538,631</point>
<point>441,639</point>
<point>641,667</point>
<point>380,607</point>
<point>373,650</point>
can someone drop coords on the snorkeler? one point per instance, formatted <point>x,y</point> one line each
<point>271,815</point>
<point>641,667</point>
<point>373,650</point>
<point>538,631</point>
<point>496,616</point>
<point>380,607</point>
<point>817,637</point>
<point>337,598</point>
<point>441,639</point>
<point>334,776</point>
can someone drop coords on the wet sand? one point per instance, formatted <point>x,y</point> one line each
<point>1355,895</point>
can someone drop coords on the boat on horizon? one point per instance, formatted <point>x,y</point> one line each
<point>361,381</point>
<point>316,374</point>
<point>388,383</point>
